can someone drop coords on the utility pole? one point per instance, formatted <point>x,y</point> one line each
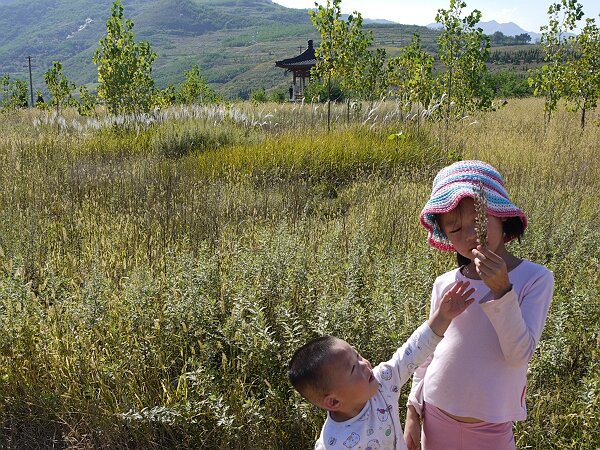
<point>30,82</point>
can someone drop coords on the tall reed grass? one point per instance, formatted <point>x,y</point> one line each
<point>155,278</point>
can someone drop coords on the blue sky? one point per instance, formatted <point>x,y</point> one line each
<point>528,14</point>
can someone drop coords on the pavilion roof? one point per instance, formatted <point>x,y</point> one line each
<point>304,60</point>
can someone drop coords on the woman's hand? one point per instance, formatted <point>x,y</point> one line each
<point>453,303</point>
<point>491,268</point>
<point>412,429</point>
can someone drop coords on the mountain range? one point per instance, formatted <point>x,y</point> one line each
<point>490,27</point>
<point>235,42</point>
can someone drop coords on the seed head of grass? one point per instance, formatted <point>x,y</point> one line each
<point>481,214</point>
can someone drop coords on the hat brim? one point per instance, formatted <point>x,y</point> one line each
<point>446,200</point>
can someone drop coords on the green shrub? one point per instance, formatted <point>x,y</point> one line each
<point>318,92</point>
<point>177,139</point>
<point>278,96</point>
<point>258,96</point>
<point>506,84</point>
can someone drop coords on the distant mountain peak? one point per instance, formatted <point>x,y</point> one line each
<point>492,26</point>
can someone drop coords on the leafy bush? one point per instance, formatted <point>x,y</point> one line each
<point>258,96</point>
<point>278,96</point>
<point>13,94</point>
<point>194,89</point>
<point>317,92</point>
<point>508,84</point>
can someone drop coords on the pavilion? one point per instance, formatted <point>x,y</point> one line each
<point>300,66</point>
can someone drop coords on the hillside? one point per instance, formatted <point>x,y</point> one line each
<point>236,42</point>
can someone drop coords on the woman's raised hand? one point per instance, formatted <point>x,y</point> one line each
<point>491,268</point>
<point>456,300</point>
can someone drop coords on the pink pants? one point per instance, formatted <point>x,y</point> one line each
<point>441,432</point>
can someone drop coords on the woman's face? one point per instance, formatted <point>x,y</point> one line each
<point>459,225</point>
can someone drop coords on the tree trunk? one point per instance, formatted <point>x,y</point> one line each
<point>583,118</point>
<point>348,112</point>
<point>329,102</point>
<point>448,109</point>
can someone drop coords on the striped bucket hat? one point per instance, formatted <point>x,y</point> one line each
<point>460,180</point>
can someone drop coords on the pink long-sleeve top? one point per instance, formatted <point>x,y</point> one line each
<point>480,367</point>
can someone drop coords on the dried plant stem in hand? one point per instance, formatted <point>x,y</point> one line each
<point>481,214</point>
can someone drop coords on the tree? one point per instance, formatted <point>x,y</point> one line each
<point>410,73</point>
<point>258,96</point>
<point>372,79</point>
<point>360,71</point>
<point>194,88</point>
<point>87,101</point>
<point>343,56</point>
<point>13,93</point>
<point>39,100</point>
<point>59,86</point>
<point>583,73</point>
<point>164,98</point>
<point>550,81</point>
<point>498,37</point>
<point>320,92</point>
<point>125,81</point>
<point>326,20</point>
<point>463,50</point>
<point>278,96</point>
<point>523,38</point>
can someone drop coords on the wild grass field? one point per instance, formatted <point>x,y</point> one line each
<point>155,278</point>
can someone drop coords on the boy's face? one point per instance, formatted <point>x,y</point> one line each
<point>351,381</point>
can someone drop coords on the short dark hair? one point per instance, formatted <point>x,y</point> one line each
<point>305,370</point>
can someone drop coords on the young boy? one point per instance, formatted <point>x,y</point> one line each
<point>362,402</point>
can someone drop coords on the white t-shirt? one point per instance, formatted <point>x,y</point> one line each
<point>480,368</point>
<point>377,426</point>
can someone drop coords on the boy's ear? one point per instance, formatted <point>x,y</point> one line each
<point>330,403</point>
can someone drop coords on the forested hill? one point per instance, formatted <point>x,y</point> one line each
<point>236,42</point>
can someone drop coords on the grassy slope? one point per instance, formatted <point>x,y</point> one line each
<point>153,285</point>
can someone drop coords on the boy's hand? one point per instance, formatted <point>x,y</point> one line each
<point>454,302</point>
<point>491,268</point>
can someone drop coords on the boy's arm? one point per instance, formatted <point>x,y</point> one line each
<point>413,353</point>
<point>415,397</point>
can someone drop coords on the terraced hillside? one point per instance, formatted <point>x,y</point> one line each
<point>235,41</point>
